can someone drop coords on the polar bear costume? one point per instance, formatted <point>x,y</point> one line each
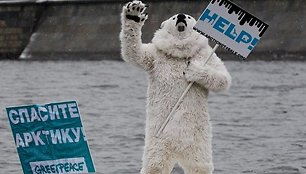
<point>172,60</point>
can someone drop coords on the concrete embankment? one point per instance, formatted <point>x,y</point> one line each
<point>90,29</point>
<point>17,23</point>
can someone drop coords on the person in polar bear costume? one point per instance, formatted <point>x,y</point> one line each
<point>172,60</point>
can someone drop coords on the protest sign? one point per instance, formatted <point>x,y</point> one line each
<point>230,26</point>
<point>50,138</point>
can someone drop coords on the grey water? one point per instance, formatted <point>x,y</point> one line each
<point>259,125</point>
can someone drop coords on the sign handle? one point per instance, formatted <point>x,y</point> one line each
<point>180,100</point>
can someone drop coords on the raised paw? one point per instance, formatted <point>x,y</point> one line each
<point>135,11</point>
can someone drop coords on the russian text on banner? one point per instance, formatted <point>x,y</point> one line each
<point>50,138</point>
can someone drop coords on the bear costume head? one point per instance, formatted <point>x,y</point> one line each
<point>176,37</point>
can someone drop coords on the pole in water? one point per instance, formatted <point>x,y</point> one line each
<point>180,100</point>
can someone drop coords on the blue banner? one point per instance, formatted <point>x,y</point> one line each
<point>50,138</point>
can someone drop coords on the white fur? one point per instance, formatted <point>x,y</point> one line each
<point>187,138</point>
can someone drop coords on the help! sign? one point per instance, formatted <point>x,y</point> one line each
<point>230,26</point>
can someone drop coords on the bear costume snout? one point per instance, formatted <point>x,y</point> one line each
<point>181,22</point>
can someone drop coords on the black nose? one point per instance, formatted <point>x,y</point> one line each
<point>181,16</point>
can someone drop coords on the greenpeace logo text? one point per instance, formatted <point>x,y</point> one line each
<point>61,166</point>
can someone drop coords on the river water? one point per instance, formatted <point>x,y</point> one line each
<point>259,125</point>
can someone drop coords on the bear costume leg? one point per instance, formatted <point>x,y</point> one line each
<point>196,161</point>
<point>197,168</point>
<point>157,160</point>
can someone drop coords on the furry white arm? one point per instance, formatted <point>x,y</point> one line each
<point>213,76</point>
<point>132,48</point>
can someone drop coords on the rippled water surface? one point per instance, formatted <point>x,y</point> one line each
<point>259,125</point>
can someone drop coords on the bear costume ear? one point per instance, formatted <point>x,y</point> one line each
<point>162,24</point>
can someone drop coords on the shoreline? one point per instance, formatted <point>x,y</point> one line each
<point>115,56</point>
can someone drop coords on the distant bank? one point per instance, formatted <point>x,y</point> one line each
<point>79,29</point>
